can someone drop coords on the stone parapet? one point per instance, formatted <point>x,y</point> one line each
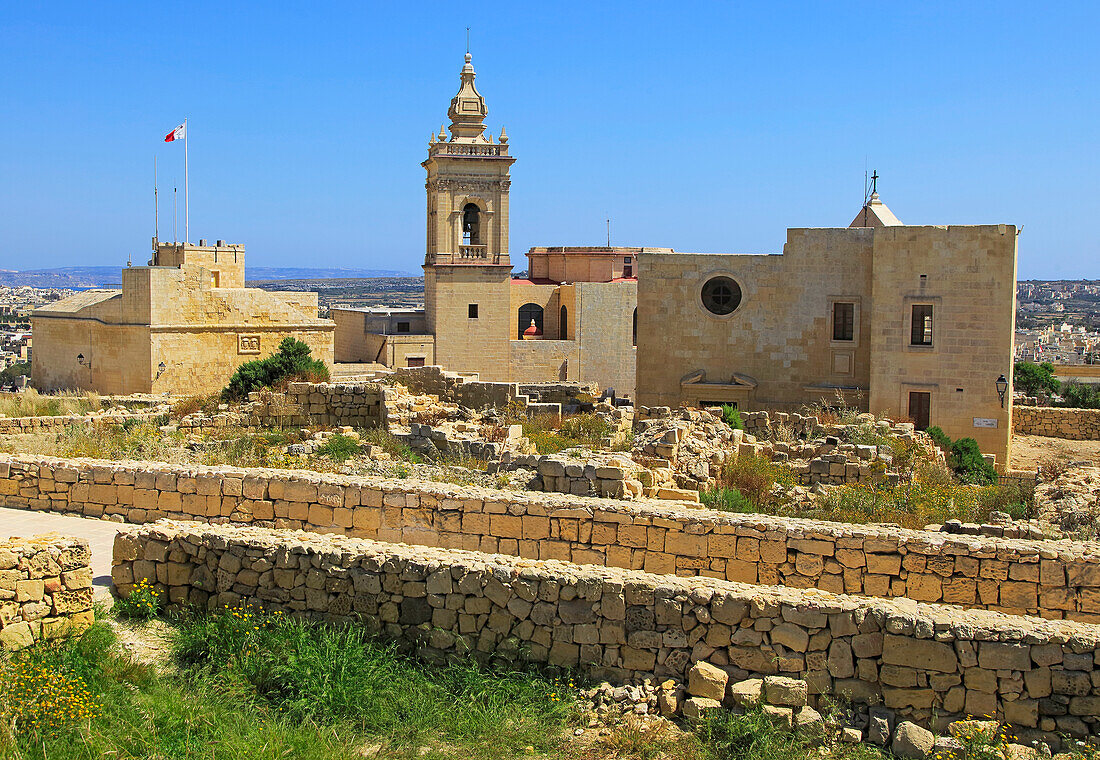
<point>928,663</point>
<point>1057,422</point>
<point>45,589</point>
<point>1055,579</point>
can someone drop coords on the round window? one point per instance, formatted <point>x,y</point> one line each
<point>721,295</point>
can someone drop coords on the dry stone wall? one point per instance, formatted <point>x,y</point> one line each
<point>1056,579</point>
<point>357,405</point>
<point>1056,422</point>
<point>52,424</point>
<point>45,589</point>
<point>928,663</point>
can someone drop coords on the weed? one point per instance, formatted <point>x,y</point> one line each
<point>732,417</point>
<point>726,500</point>
<point>192,404</point>
<point>338,448</point>
<point>31,403</point>
<point>142,603</point>
<point>391,444</point>
<point>754,478</point>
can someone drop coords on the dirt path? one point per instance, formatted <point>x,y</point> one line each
<point>1029,451</point>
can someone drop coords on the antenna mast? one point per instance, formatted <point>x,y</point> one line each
<point>608,232</point>
<point>156,205</point>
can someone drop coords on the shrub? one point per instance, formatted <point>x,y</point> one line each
<point>1077,395</point>
<point>916,504</point>
<point>969,465</point>
<point>143,602</point>
<point>1034,379</point>
<point>392,445</point>
<point>338,447</point>
<point>291,361</point>
<point>732,417</point>
<point>939,437</point>
<point>9,373</point>
<point>192,404</point>
<point>754,478</point>
<point>549,435</point>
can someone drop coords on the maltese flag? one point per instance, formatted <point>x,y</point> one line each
<point>179,133</point>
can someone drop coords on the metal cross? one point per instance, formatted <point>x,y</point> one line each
<point>874,182</point>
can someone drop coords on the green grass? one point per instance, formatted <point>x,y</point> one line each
<point>340,676</point>
<point>752,737</point>
<point>272,688</point>
<point>549,435</point>
<point>391,444</point>
<point>338,448</point>
<point>726,500</point>
<point>754,477</point>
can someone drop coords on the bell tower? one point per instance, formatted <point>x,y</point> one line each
<point>467,271</point>
<point>467,185</point>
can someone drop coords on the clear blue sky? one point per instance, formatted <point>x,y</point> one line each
<point>705,127</point>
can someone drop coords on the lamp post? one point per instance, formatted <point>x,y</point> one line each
<point>1002,388</point>
<point>160,370</point>
<point>83,362</point>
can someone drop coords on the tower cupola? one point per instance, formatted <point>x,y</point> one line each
<point>467,111</point>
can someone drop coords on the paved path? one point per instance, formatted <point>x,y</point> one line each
<point>100,535</point>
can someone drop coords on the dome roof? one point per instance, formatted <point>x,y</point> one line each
<point>533,329</point>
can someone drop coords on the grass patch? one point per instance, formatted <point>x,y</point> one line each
<point>752,737</point>
<point>549,435</point>
<point>338,448</point>
<point>31,403</point>
<point>726,500</point>
<point>919,503</point>
<point>133,440</point>
<point>391,444</point>
<point>338,675</point>
<point>134,713</point>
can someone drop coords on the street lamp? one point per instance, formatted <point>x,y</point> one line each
<point>83,362</point>
<point>1002,388</point>
<point>160,370</point>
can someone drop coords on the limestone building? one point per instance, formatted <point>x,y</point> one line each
<point>909,321</point>
<point>182,324</point>
<point>572,317</point>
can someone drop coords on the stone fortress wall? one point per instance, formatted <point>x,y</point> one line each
<point>1054,579</point>
<point>929,663</point>
<point>45,589</point>
<point>1055,422</point>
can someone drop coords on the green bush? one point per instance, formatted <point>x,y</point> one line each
<point>1076,395</point>
<point>732,417</point>
<point>754,478</point>
<point>939,437</point>
<point>338,447</point>
<point>290,362</point>
<point>969,465</point>
<point>8,374</point>
<point>1034,378</point>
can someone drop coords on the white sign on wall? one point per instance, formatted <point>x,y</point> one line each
<point>985,422</point>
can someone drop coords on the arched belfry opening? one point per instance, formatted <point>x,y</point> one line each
<point>471,224</point>
<point>529,313</point>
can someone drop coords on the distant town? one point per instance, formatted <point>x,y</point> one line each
<point>1057,321</point>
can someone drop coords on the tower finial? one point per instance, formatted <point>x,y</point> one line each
<point>874,182</point>
<point>467,43</point>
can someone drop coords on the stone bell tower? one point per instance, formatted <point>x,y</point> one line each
<point>467,271</point>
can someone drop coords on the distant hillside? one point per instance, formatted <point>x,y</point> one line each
<point>97,277</point>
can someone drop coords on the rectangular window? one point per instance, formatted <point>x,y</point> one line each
<point>626,259</point>
<point>402,327</point>
<point>844,321</point>
<point>472,311</point>
<point>922,326</point>
<point>415,361</point>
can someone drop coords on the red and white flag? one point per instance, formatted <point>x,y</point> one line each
<point>179,133</point>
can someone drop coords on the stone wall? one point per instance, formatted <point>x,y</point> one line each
<point>1057,579</point>
<point>14,425</point>
<point>929,663</point>
<point>1055,422</point>
<point>45,589</point>
<point>357,405</point>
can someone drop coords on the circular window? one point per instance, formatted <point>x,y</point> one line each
<point>721,295</point>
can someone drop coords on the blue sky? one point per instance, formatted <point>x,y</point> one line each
<point>701,126</point>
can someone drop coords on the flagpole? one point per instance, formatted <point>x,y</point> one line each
<point>156,201</point>
<point>186,204</point>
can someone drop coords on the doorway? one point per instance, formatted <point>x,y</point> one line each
<point>920,408</point>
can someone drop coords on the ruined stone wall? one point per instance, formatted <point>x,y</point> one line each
<point>1057,579</point>
<point>14,425</point>
<point>45,589</point>
<point>1054,422</point>
<point>358,405</point>
<point>929,663</point>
